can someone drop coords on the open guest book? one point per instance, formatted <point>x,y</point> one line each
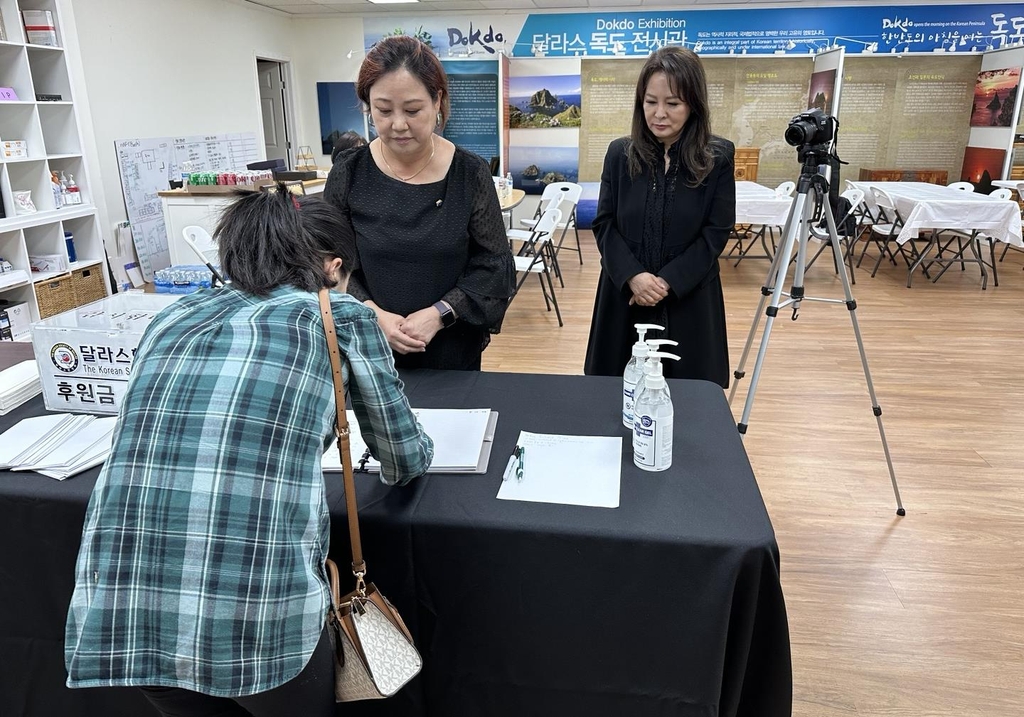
<point>462,441</point>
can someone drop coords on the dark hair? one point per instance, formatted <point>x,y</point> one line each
<point>272,239</point>
<point>347,140</point>
<point>686,77</point>
<point>398,52</point>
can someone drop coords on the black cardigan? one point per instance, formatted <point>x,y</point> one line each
<point>699,222</point>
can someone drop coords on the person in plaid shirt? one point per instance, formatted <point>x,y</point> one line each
<point>201,572</point>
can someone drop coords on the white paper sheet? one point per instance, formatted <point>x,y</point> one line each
<point>72,449</point>
<point>49,442</point>
<point>570,470</point>
<point>458,436</point>
<point>24,434</point>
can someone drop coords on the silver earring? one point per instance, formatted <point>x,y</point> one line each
<point>438,119</point>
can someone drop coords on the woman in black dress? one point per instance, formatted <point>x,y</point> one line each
<point>667,205</point>
<point>435,264</point>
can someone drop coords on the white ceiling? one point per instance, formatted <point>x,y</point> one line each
<point>347,7</point>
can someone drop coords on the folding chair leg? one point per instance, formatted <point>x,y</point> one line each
<point>554,301</point>
<point>547,304</point>
<point>576,231</point>
<point>992,256</point>
<point>1006,248</point>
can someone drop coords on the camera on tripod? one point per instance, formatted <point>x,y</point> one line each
<point>811,128</point>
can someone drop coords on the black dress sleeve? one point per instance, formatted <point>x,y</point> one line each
<point>685,272</point>
<point>618,260</point>
<point>336,193</point>
<point>480,297</point>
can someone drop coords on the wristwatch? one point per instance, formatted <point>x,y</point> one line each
<point>447,315</point>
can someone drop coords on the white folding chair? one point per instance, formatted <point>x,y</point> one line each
<point>962,186</point>
<point>565,196</point>
<point>785,189</point>
<point>856,198</point>
<point>884,231</point>
<point>537,256</point>
<point>1020,195</point>
<point>205,248</point>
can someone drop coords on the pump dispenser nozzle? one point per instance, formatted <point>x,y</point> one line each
<point>656,379</point>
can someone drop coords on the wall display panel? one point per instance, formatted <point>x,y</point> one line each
<point>544,101</point>
<point>995,97</point>
<point>982,165</point>
<point>751,102</point>
<point>823,90</point>
<point>608,90</point>
<point>906,113</point>
<point>533,168</point>
<point>473,123</point>
<point>340,112</point>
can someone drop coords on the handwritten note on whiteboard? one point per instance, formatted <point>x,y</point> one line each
<point>148,165</point>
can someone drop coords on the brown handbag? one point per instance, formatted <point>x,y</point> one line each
<point>374,655</point>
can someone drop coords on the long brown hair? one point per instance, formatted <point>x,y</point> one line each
<point>688,81</point>
<point>398,52</point>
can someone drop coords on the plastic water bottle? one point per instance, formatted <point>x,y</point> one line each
<point>653,421</point>
<point>508,184</point>
<point>631,375</point>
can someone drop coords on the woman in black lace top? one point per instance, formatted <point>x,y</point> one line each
<point>435,264</point>
<point>666,207</point>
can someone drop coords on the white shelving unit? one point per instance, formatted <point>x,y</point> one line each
<point>54,139</point>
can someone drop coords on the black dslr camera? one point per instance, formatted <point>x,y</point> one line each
<point>811,128</point>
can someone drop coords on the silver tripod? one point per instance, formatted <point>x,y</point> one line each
<point>797,232</point>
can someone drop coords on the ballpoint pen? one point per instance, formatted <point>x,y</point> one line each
<point>512,463</point>
<point>522,463</point>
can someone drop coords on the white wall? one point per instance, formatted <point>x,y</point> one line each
<point>157,68</point>
<point>319,55</point>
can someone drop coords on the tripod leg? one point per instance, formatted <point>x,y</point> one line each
<point>851,305</point>
<point>796,221</point>
<point>770,282</point>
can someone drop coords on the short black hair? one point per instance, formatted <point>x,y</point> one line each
<point>272,239</point>
<point>346,140</point>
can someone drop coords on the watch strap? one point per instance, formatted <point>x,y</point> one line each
<point>447,315</point>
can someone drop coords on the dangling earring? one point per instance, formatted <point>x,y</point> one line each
<point>438,119</point>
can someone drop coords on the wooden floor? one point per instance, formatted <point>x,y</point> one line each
<point>921,615</point>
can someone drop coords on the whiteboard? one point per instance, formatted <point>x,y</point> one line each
<point>148,165</point>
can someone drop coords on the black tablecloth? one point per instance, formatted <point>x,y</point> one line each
<point>668,605</point>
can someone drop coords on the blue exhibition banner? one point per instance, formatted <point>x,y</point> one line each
<point>473,121</point>
<point>340,111</point>
<point>868,28</point>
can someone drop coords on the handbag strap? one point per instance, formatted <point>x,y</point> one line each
<point>342,430</point>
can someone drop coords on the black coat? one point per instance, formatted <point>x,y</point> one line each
<point>698,225</point>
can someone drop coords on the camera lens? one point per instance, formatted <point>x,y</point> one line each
<point>800,132</point>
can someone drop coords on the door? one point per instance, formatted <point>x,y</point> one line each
<point>272,106</point>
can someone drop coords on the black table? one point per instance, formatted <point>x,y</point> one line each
<point>668,605</point>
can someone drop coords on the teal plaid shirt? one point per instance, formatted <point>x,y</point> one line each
<point>202,558</point>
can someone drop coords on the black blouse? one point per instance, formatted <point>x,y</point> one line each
<point>420,243</point>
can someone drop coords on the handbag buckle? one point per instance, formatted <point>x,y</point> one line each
<point>360,583</point>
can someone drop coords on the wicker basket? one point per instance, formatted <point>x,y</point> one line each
<point>55,295</point>
<point>88,284</point>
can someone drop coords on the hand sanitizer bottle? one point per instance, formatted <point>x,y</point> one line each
<point>647,366</point>
<point>652,422</point>
<point>632,373</point>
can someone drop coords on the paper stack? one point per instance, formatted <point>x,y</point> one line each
<point>462,441</point>
<point>18,384</point>
<point>58,445</point>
